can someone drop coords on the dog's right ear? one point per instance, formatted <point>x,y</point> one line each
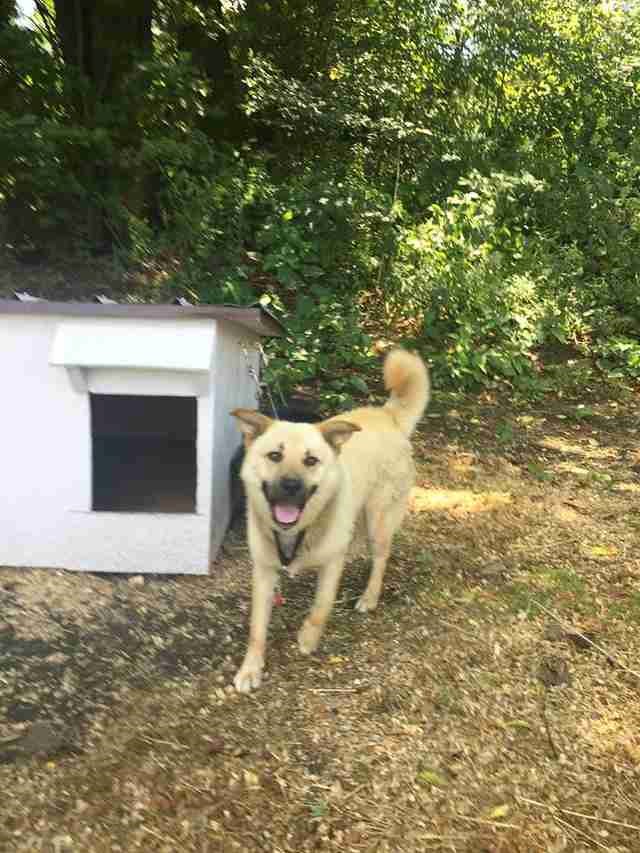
<point>251,423</point>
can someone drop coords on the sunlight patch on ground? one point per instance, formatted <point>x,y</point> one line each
<point>615,728</point>
<point>463,463</point>
<point>564,513</point>
<point>557,442</point>
<point>628,487</point>
<point>591,449</point>
<point>570,468</point>
<point>601,552</point>
<point>457,501</point>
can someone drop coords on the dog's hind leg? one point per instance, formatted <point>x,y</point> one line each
<point>383,519</point>
<point>313,627</point>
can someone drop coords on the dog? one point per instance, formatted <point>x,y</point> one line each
<point>294,410</point>
<point>308,484</point>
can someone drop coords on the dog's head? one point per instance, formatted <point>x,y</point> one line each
<point>290,467</point>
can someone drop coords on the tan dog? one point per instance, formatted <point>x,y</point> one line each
<point>307,485</point>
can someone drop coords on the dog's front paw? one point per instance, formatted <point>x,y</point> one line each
<point>309,637</point>
<point>367,601</point>
<point>249,676</point>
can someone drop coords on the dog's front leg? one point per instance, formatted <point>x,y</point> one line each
<point>313,626</point>
<point>263,585</point>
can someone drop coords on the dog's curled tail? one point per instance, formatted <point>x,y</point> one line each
<point>407,379</point>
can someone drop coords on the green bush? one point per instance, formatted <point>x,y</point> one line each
<point>324,342</point>
<point>322,231</point>
<point>484,282</point>
<point>51,174</point>
<point>619,356</point>
<point>491,285</point>
<point>313,157</point>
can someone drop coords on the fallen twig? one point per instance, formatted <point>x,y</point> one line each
<point>184,784</point>
<point>580,814</point>
<point>335,689</point>
<point>628,801</point>
<point>173,743</point>
<point>350,794</point>
<point>579,831</point>
<point>552,744</point>
<point>165,838</point>
<point>610,658</point>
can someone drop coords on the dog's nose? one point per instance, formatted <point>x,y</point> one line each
<point>291,485</point>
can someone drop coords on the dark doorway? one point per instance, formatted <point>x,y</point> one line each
<point>143,453</point>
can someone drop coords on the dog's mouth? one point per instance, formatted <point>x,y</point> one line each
<point>286,513</point>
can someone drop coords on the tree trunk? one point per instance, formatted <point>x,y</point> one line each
<point>7,12</point>
<point>211,52</point>
<point>100,40</point>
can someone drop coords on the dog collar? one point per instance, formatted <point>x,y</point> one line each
<point>287,555</point>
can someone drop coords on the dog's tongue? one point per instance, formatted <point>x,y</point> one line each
<point>286,514</point>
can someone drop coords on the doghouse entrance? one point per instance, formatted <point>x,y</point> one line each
<point>143,453</point>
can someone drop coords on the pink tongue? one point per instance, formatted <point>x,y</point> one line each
<point>286,514</point>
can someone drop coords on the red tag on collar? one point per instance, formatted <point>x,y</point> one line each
<point>278,599</point>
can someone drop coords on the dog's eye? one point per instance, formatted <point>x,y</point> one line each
<point>275,456</point>
<point>310,461</point>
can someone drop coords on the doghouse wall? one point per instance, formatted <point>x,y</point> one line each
<point>45,462</point>
<point>231,387</point>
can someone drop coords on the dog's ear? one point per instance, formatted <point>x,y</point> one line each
<point>251,423</point>
<point>336,433</point>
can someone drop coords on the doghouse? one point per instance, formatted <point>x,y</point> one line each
<point>115,433</point>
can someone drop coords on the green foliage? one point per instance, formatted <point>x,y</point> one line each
<point>321,232</point>
<point>202,200</point>
<point>619,356</point>
<point>494,281</point>
<point>467,174</point>
<point>60,173</point>
<point>50,175</point>
<point>324,341</point>
<point>485,282</point>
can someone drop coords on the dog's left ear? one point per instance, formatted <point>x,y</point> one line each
<point>336,433</point>
<point>251,423</point>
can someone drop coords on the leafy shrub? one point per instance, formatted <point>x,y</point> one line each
<point>201,199</point>
<point>485,282</point>
<point>51,175</point>
<point>325,342</point>
<point>619,356</point>
<point>79,180</point>
<point>323,231</point>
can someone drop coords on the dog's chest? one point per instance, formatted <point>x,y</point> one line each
<point>289,547</point>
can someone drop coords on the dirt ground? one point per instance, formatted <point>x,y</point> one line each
<point>492,703</point>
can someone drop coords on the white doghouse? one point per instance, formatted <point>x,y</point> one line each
<point>115,433</point>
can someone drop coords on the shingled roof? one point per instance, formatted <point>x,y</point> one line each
<point>254,317</point>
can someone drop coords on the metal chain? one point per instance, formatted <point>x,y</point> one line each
<point>265,361</point>
<point>261,386</point>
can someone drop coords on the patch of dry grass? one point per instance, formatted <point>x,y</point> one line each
<point>461,716</point>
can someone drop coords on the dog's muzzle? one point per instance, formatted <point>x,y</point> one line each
<point>287,498</point>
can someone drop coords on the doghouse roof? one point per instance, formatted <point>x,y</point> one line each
<point>255,318</point>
